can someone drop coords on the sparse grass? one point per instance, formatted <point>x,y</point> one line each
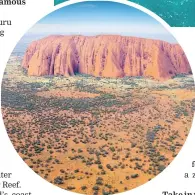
<point>131,129</point>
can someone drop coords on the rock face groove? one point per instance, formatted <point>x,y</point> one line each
<point>105,56</point>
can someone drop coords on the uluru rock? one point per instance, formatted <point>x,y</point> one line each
<point>105,56</point>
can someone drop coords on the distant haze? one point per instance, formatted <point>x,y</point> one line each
<point>97,18</point>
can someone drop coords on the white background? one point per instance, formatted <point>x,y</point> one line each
<point>172,179</point>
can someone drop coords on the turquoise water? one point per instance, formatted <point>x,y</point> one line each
<point>174,12</point>
<point>56,2</point>
<point>177,13</point>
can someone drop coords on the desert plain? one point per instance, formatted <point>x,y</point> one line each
<point>99,114</point>
<point>96,135</point>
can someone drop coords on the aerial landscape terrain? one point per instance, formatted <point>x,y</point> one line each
<point>97,134</point>
<point>95,103</point>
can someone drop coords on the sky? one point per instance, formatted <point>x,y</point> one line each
<point>96,18</point>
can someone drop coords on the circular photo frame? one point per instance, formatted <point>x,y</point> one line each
<point>97,97</point>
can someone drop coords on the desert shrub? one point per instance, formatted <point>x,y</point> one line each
<point>58,180</point>
<point>96,188</point>
<point>80,150</point>
<point>99,182</point>
<point>70,188</point>
<point>112,149</point>
<point>76,171</point>
<point>83,188</point>
<point>62,171</point>
<point>134,176</point>
<point>133,145</point>
<point>105,193</point>
<point>108,186</point>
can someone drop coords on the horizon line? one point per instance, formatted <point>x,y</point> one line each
<point>104,34</point>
